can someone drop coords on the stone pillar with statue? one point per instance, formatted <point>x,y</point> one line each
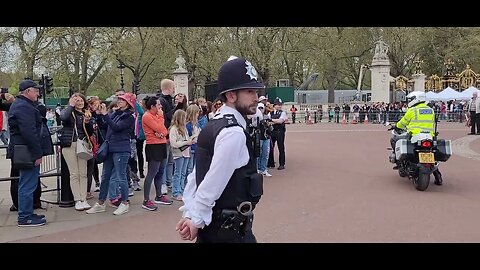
<point>380,70</point>
<point>418,77</point>
<point>180,77</point>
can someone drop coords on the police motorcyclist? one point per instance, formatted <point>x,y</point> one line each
<point>419,118</point>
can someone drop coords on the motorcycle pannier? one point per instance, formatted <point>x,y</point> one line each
<point>444,150</point>
<point>404,149</point>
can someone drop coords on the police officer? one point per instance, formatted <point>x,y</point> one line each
<point>278,134</point>
<point>224,187</point>
<point>419,118</point>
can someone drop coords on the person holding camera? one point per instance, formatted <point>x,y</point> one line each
<point>224,187</point>
<point>266,129</point>
<point>77,128</point>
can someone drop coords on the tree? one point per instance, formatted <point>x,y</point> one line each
<point>31,41</point>
<point>83,52</point>
<point>140,57</point>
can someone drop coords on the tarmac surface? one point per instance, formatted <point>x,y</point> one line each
<point>338,186</point>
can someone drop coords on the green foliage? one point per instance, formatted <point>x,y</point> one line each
<point>86,58</point>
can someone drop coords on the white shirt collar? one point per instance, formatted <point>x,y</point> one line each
<point>229,110</point>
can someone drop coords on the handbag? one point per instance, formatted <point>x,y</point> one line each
<point>22,159</point>
<point>102,152</point>
<point>84,146</point>
<point>84,149</point>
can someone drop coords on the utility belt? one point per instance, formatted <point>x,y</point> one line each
<point>278,127</point>
<point>236,221</point>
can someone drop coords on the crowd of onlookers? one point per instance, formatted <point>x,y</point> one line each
<point>158,132</point>
<point>377,112</point>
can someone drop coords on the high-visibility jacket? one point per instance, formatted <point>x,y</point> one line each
<point>418,119</point>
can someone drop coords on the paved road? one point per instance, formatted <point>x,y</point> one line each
<point>337,187</point>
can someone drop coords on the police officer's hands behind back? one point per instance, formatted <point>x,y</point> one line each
<point>186,229</point>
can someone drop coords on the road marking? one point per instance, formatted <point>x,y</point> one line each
<point>461,147</point>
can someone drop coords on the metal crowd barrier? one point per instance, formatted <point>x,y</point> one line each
<point>50,167</point>
<point>373,117</point>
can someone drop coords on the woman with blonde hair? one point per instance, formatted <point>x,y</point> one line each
<point>193,111</point>
<point>180,143</point>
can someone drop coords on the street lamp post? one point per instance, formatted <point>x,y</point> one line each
<point>121,66</point>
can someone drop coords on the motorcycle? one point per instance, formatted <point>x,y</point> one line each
<point>417,157</point>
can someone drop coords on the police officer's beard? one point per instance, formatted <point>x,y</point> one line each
<point>245,109</point>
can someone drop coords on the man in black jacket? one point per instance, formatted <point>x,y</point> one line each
<point>25,124</point>
<point>14,172</point>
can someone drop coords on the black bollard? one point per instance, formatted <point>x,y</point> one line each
<point>66,196</point>
<point>315,116</point>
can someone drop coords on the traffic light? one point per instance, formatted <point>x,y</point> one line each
<point>48,84</point>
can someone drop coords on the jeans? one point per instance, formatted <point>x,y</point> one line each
<point>167,167</point>
<point>26,186</point>
<point>115,171</point>
<point>191,164</point>
<point>178,183</point>
<point>263,158</point>
<point>114,190</point>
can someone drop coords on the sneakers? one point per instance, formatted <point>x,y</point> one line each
<point>97,187</point>
<point>89,196</point>
<point>79,206</point>
<point>130,192</point>
<point>281,167</point>
<point>163,200</point>
<point>149,205</point>
<point>122,209</point>
<point>33,221</point>
<point>164,189</point>
<point>85,205</point>
<point>38,216</point>
<point>97,208</point>
<point>265,173</point>
<point>136,186</point>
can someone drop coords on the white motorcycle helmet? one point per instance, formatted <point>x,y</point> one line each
<point>416,97</point>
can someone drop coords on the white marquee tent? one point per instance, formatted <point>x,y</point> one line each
<point>431,95</point>
<point>450,94</point>
<point>469,91</point>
